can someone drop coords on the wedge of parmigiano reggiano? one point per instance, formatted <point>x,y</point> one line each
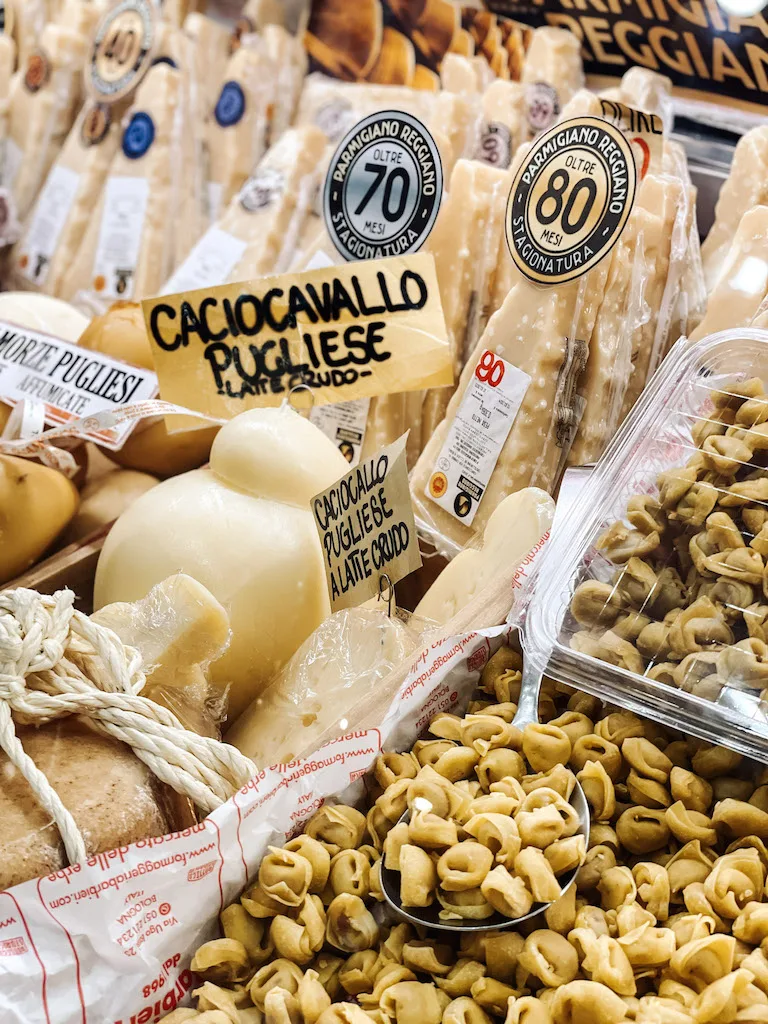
<point>239,127</point>
<point>56,227</point>
<point>268,203</point>
<point>505,123</point>
<point>746,186</point>
<point>545,333</point>
<point>255,234</point>
<point>290,61</point>
<point>742,285</point>
<point>464,242</point>
<point>554,59</point>
<point>42,115</point>
<point>127,249</point>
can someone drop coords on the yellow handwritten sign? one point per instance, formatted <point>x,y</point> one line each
<point>366,527</point>
<point>352,331</point>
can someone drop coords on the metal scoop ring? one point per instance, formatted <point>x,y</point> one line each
<point>527,714</point>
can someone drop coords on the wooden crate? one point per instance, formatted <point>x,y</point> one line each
<point>74,567</point>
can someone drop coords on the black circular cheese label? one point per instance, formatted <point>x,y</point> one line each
<point>383,187</point>
<point>570,200</point>
<point>122,50</point>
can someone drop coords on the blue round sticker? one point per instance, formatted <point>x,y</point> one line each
<point>138,136</point>
<point>231,105</point>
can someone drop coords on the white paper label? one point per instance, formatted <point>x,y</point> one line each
<point>477,435</point>
<point>319,260</point>
<point>12,157</point>
<point>215,191</point>
<point>210,263</point>
<point>48,220</point>
<point>122,225</point>
<point>344,423</point>
<point>71,381</point>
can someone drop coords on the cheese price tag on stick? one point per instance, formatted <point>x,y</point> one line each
<point>366,527</point>
<point>352,331</point>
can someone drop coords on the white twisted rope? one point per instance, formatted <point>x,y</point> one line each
<point>55,661</point>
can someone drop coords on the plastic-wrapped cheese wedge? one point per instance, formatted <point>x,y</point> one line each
<point>243,528</point>
<point>189,199</point>
<point>685,296</point>
<point>665,197</point>
<point>312,697</point>
<point>127,248</point>
<point>553,59</point>
<point>211,39</point>
<point>42,108</point>
<point>64,207</point>
<point>464,242</point>
<point>745,187</point>
<point>505,123</point>
<point>289,58</point>
<point>743,281</point>
<point>7,64</point>
<point>518,523</point>
<point>646,90</point>
<point>272,201</point>
<point>609,363</point>
<point>544,334</point>
<point>238,131</point>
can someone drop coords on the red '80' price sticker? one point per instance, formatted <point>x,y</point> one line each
<point>490,369</point>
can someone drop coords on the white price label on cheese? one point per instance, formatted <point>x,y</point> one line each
<point>210,263</point>
<point>344,423</point>
<point>477,435</point>
<point>120,232</point>
<point>48,220</point>
<point>72,382</point>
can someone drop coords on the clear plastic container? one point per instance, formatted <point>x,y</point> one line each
<point>703,671</point>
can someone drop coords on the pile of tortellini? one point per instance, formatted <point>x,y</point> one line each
<point>689,605</point>
<point>664,924</point>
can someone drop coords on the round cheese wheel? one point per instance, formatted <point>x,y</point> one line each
<point>243,528</point>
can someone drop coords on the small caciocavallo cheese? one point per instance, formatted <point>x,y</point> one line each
<point>127,249</point>
<point>243,528</point>
<point>517,525</point>
<point>745,187</point>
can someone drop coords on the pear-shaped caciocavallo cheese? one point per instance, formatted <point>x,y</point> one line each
<point>243,528</point>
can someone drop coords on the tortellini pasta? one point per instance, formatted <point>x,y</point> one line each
<point>688,600</point>
<point>665,923</point>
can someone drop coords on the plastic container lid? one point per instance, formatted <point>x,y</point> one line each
<point>653,593</point>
